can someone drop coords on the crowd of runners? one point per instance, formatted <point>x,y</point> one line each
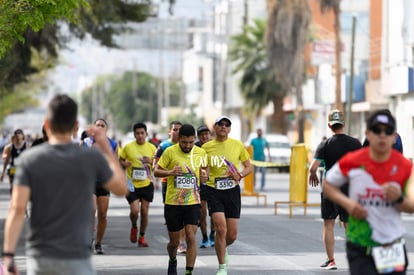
<point>199,170</point>
<point>199,180</point>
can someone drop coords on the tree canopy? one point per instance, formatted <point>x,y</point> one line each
<point>16,16</point>
<point>31,37</point>
<point>258,83</point>
<point>32,26</point>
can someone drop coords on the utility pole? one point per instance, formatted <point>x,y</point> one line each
<point>246,13</point>
<point>338,46</point>
<point>351,80</point>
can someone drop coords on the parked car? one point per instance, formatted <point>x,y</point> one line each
<point>279,147</point>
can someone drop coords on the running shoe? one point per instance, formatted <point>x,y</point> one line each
<point>204,244</point>
<point>133,234</point>
<point>182,248</point>
<point>99,249</point>
<point>329,265</point>
<point>212,240</point>
<point>221,271</point>
<point>172,268</point>
<point>142,242</point>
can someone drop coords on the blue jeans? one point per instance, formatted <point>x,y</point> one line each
<point>262,170</point>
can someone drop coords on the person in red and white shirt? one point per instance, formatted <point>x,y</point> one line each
<point>380,188</point>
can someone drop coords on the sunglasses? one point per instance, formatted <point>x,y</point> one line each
<point>224,124</point>
<point>388,131</point>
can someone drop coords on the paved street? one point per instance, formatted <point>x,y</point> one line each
<point>267,243</point>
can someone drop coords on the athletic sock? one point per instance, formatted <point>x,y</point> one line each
<point>188,270</point>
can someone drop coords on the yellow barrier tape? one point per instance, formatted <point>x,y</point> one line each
<point>258,163</point>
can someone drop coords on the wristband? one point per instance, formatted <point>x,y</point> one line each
<point>400,199</point>
<point>7,254</point>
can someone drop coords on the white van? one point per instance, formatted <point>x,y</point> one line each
<point>280,149</point>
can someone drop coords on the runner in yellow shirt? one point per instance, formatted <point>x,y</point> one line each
<point>136,157</point>
<point>184,165</point>
<point>224,155</point>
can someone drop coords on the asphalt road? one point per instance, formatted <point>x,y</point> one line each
<point>266,244</point>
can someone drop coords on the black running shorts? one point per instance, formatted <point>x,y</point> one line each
<point>144,193</point>
<point>177,216</point>
<point>227,201</point>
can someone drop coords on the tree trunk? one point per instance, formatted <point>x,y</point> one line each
<point>278,123</point>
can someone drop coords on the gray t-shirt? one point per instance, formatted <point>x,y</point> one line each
<point>62,179</point>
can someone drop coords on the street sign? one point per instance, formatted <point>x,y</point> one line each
<point>323,52</point>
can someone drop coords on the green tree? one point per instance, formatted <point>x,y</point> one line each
<point>35,25</point>
<point>257,82</point>
<point>16,16</point>
<point>287,34</point>
<point>30,36</point>
<point>126,99</point>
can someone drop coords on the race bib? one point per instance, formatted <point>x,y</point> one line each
<point>185,181</point>
<point>224,183</point>
<point>139,174</point>
<point>389,258</point>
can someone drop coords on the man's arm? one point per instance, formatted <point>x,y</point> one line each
<point>404,202</point>
<point>124,163</point>
<point>247,169</point>
<point>14,222</point>
<point>163,172</point>
<point>204,174</point>
<point>313,177</point>
<point>352,207</point>
<point>6,155</point>
<point>117,183</point>
<point>6,151</point>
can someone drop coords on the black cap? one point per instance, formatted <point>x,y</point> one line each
<point>383,117</point>
<point>202,128</point>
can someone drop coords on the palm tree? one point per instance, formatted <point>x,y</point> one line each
<point>286,37</point>
<point>334,5</point>
<point>257,82</point>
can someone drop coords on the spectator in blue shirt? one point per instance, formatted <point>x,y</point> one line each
<point>259,144</point>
